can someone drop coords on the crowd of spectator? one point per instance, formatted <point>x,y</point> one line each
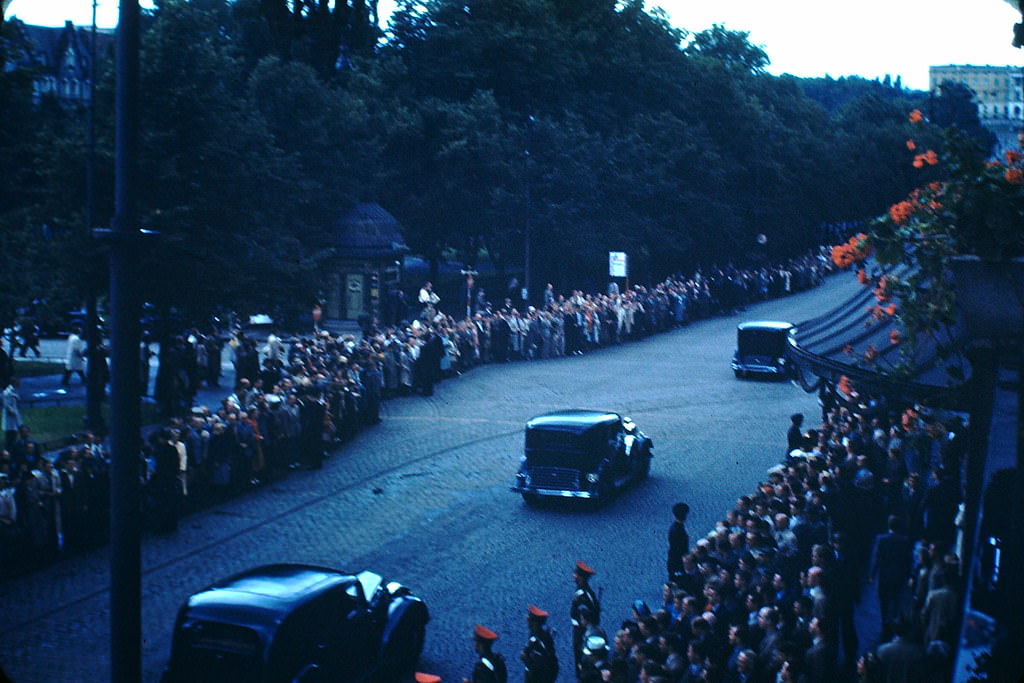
<point>870,496</point>
<point>294,398</point>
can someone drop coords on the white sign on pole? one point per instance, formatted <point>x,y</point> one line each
<point>617,264</point>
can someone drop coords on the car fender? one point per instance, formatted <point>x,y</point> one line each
<point>402,611</point>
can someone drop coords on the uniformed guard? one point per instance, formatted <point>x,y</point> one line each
<point>583,598</point>
<point>538,656</point>
<point>490,666</point>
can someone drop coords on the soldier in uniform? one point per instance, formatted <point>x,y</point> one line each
<point>538,656</point>
<point>583,598</point>
<point>490,666</point>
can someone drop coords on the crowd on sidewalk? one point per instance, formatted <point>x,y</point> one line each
<point>869,496</point>
<point>294,399</point>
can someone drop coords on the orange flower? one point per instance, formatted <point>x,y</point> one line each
<point>900,213</point>
<point>911,145</point>
<point>1014,176</point>
<point>862,276</point>
<point>841,255</point>
<point>931,157</point>
<point>894,337</point>
<point>1012,156</point>
<point>915,116</point>
<point>891,309</point>
<point>919,161</point>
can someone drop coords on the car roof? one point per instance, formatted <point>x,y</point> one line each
<point>765,325</point>
<point>575,420</point>
<point>263,594</point>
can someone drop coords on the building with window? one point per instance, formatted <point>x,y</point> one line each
<point>59,58</point>
<point>999,92</point>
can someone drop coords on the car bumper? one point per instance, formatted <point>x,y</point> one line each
<point>756,367</point>
<point>558,493</point>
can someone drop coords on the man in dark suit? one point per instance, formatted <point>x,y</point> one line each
<point>429,362</point>
<point>794,437</point>
<point>678,540</point>
<point>819,658</point>
<point>902,660</point>
<point>311,419</point>
<point>891,565</point>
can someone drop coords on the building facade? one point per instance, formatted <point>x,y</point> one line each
<point>369,252</point>
<point>999,92</point>
<point>59,58</point>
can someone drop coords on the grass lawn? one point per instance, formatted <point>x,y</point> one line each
<point>52,423</point>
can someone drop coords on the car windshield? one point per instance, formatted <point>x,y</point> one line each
<point>761,342</point>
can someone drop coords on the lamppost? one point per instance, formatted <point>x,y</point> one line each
<point>125,496</point>
<point>526,226</point>
<point>93,339</point>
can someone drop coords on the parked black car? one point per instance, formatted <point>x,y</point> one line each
<point>761,348</point>
<point>581,454</point>
<point>291,622</point>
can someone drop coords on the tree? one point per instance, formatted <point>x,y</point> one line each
<point>731,48</point>
<point>212,182</point>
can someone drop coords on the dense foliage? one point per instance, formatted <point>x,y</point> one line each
<point>594,125</point>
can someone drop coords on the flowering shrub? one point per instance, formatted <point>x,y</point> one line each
<point>978,208</point>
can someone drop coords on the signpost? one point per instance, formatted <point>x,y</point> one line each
<point>618,266</point>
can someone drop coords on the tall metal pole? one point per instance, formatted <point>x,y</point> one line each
<point>527,238</point>
<point>93,339</point>
<point>527,228</point>
<point>125,562</point>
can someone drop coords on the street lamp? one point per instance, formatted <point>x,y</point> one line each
<point>527,227</point>
<point>96,380</point>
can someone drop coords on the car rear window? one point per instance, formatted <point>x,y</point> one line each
<point>215,652</point>
<point>762,342</point>
<point>553,440</point>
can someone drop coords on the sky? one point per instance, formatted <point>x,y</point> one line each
<point>806,38</point>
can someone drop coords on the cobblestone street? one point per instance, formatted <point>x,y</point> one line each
<point>423,498</point>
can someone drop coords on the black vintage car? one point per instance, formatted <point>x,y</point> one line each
<point>291,622</point>
<point>761,349</point>
<point>581,454</point>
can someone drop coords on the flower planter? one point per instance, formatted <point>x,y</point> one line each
<point>990,297</point>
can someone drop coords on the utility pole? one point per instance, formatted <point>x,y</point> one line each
<point>93,338</point>
<point>125,531</point>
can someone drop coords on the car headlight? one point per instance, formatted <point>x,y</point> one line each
<point>593,477</point>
